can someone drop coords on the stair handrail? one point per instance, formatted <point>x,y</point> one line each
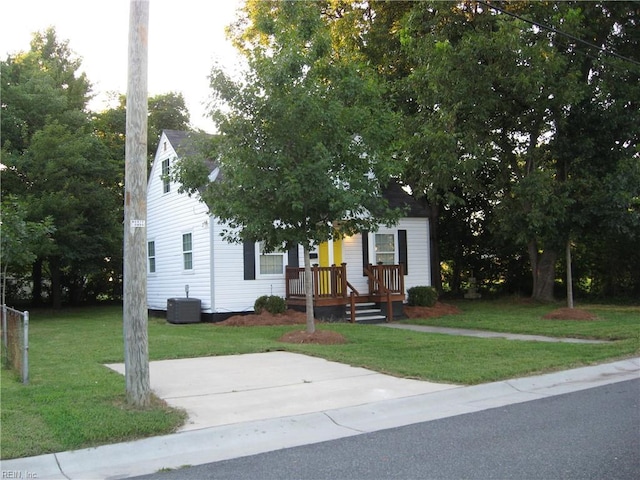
<point>352,301</point>
<point>383,289</point>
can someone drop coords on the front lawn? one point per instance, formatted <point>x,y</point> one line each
<point>613,322</point>
<point>73,401</point>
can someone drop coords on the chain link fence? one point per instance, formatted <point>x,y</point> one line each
<point>15,341</point>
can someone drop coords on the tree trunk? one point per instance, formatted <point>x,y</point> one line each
<point>436,273</point>
<point>36,278</point>
<point>56,284</point>
<point>569,277</point>
<point>308,292</point>
<point>456,277</point>
<point>543,269</point>
<point>4,284</point>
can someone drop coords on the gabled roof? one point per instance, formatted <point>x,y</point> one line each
<point>186,143</point>
<point>398,197</point>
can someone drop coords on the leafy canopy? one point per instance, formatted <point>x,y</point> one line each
<point>303,135</point>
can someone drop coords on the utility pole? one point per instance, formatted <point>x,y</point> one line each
<point>135,316</point>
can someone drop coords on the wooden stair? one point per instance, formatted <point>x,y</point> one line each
<point>367,312</point>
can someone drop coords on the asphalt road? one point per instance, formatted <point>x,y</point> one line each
<point>590,434</point>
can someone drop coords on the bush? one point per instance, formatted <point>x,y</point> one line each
<point>271,303</point>
<point>422,296</point>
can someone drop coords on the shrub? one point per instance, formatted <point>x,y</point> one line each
<point>271,303</point>
<point>422,296</point>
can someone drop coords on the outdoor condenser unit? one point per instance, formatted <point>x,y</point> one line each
<point>183,310</point>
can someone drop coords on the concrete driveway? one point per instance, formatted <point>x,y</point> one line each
<point>232,389</point>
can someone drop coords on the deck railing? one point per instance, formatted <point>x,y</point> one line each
<point>331,282</point>
<point>328,282</point>
<point>385,279</point>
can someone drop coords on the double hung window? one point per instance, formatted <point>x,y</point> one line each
<point>385,248</point>
<point>187,251</point>
<point>151,254</point>
<point>166,183</point>
<point>270,263</point>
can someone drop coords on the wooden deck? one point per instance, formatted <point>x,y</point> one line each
<point>332,288</point>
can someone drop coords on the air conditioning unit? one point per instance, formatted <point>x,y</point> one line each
<point>183,310</point>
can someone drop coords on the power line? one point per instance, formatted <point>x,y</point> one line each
<point>559,32</point>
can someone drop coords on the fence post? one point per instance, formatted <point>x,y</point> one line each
<point>25,349</point>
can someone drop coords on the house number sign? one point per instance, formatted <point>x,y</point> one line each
<point>138,223</point>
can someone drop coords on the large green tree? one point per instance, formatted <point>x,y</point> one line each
<point>303,135</point>
<point>502,92</point>
<point>58,168</point>
<point>167,111</point>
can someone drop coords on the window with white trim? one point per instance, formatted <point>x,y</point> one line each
<point>271,263</point>
<point>166,183</point>
<point>187,251</point>
<point>151,254</point>
<point>385,248</point>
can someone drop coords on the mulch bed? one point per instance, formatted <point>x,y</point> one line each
<point>570,314</point>
<point>290,317</point>
<point>438,310</point>
<point>320,337</point>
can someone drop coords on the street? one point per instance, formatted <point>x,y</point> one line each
<point>589,434</point>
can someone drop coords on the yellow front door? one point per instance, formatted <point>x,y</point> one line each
<point>329,253</point>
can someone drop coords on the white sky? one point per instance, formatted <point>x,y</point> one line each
<point>185,38</point>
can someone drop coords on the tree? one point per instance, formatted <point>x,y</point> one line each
<point>303,136</point>
<point>502,92</point>
<point>21,240</point>
<point>166,111</point>
<point>57,167</point>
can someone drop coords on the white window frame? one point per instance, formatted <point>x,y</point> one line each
<point>151,257</point>
<point>260,254</point>
<point>164,175</point>
<point>374,252</point>
<point>187,253</point>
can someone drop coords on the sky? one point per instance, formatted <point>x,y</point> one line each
<point>186,37</point>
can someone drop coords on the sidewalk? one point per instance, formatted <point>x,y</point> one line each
<point>367,402</point>
<point>486,334</point>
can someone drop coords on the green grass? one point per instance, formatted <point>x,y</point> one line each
<point>613,322</point>
<point>73,401</point>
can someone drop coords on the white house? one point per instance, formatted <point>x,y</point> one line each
<point>188,258</point>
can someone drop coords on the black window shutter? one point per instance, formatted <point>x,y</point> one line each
<point>365,251</point>
<point>249,258</point>
<point>402,250</point>
<point>292,257</point>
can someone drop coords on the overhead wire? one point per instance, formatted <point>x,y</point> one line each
<point>559,32</point>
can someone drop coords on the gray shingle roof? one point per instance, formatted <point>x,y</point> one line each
<point>186,143</point>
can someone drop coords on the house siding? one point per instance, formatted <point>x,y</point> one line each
<point>169,216</point>
<point>352,256</point>
<point>417,254</point>
<point>232,292</point>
